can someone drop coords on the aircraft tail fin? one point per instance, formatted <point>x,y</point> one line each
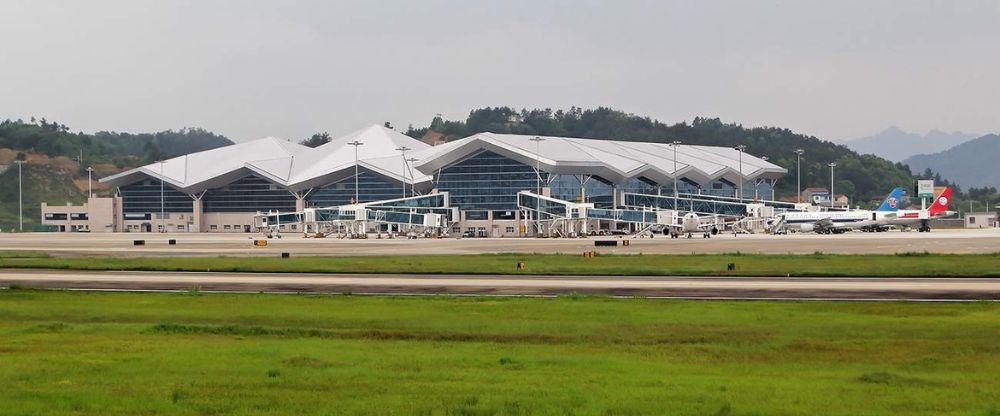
<point>941,203</point>
<point>891,202</point>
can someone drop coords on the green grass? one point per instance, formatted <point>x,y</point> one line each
<point>81,353</point>
<point>903,264</point>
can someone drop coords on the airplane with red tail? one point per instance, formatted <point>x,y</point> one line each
<point>922,217</point>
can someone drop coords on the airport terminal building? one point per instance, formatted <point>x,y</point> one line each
<point>480,176</point>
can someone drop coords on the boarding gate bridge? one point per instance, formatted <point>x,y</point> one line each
<point>753,214</point>
<point>547,216</point>
<point>418,215</point>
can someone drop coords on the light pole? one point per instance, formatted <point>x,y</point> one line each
<point>538,183</point>
<point>798,173</point>
<point>756,184</point>
<point>674,174</point>
<point>742,148</point>
<point>90,187</point>
<point>402,151</point>
<point>163,225</point>
<point>356,144</point>
<point>20,201</point>
<point>413,185</point>
<point>832,165</point>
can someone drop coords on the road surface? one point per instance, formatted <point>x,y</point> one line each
<point>693,287</point>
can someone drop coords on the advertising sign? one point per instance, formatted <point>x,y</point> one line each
<point>925,189</point>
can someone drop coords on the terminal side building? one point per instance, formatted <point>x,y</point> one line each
<point>220,190</point>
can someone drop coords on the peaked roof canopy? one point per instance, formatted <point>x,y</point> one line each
<point>382,150</point>
<point>613,160</point>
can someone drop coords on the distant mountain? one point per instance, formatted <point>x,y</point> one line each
<point>970,164</point>
<point>895,144</point>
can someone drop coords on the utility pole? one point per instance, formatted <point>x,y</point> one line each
<point>798,173</point>
<point>20,200</point>
<point>674,174</point>
<point>163,218</point>
<point>413,185</point>
<point>832,165</point>
<point>538,183</point>
<point>402,151</point>
<point>90,187</point>
<point>356,143</point>
<point>739,194</point>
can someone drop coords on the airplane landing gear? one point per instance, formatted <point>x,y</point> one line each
<point>707,235</point>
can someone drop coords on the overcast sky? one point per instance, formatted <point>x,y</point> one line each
<point>249,69</point>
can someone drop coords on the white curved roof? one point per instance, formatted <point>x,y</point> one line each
<point>613,160</point>
<point>297,167</point>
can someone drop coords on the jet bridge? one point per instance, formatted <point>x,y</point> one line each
<point>423,214</point>
<point>709,204</point>
<point>548,216</point>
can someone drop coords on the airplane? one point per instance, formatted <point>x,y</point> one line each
<point>691,223</point>
<point>837,222</point>
<point>922,217</point>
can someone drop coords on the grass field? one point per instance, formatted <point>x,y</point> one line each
<point>196,354</point>
<point>905,264</point>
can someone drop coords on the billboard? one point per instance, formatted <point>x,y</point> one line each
<point>925,189</point>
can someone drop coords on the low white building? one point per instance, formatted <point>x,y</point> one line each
<point>981,220</point>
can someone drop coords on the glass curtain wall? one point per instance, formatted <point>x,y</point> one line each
<point>487,181</point>
<point>144,197</point>
<point>371,187</point>
<point>250,194</point>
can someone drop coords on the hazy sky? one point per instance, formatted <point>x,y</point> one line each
<point>249,69</point>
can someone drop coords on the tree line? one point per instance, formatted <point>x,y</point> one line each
<point>861,177</point>
<point>124,150</point>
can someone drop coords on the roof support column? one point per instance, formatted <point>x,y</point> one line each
<point>196,212</point>
<point>300,199</point>
<point>583,187</point>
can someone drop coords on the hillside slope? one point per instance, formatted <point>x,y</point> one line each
<point>41,183</point>
<point>970,164</point>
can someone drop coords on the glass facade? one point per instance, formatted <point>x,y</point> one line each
<point>599,191</point>
<point>250,194</point>
<point>144,197</point>
<point>371,187</point>
<point>487,181</point>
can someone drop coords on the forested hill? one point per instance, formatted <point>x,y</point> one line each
<point>862,177</point>
<point>56,173</point>
<point>970,164</point>
<point>120,149</point>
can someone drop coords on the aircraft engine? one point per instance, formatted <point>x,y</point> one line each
<point>807,228</point>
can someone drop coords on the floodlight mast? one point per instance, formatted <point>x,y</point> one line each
<point>538,183</point>
<point>798,174</point>
<point>742,148</point>
<point>356,143</point>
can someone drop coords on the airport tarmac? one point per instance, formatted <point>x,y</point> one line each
<point>203,244</point>
<point>681,287</point>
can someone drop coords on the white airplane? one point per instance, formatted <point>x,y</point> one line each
<point>690,224</point>
<point>836,222</point>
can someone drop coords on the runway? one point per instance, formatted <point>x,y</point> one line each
<point>238,244</point>
<point>679,287</point>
